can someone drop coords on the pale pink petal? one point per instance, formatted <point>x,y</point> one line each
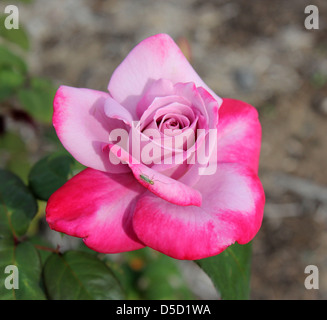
<point>190,92</point>
<point>203,162</point>
<point>212,107</point>
<point>159,184</point>
<point>97,207</point>
<point>114,110</point>
<point>157,104</point>
<point>231,210</point>
<point>157,57</point>
<point>83,128</point>
<point>160,88</point>
<point>239,133</point>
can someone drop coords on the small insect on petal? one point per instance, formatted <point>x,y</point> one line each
<point>146,179</point>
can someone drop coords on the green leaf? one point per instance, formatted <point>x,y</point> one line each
<point>14,155</point>
<point>17,204</point>
<point>11,142</point>
<point>36,103</point>
<point>42,84</point>
<point>10,81</point>
<point>49,174</point>
<point>230,271</point>
<point>25,257</point>
<point>9,60</point>
<point>17,209</point>
<point>17,36</point>
<point>164,280</point>
<point>80,276</point>
<point>38,99</point>
<point>40,244</point>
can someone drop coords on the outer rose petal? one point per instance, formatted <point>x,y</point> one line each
<point>231,210</point>
<point>98,207</point>
<point>234,195</point>
<point>157,57</point>
<point>239,134</point>
<point>83,128</point>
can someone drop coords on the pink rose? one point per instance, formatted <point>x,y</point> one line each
<point>170,164</point>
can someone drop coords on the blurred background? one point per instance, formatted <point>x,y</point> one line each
<point>254,51</point>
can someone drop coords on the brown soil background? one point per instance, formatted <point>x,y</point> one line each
<point>256,51</point>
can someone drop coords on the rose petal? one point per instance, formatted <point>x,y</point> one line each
<point>212,107</point>
<point>98,207</point>
<point>157,57</point>
<point>159,103</point>
<point>159,88</point>
<point>232,210</point>
<point>114,110</point>
<point>235,195</point>
<point>83,128</point>
<point>239,134</point>
<point>161,185</point>
<point>190,92</point>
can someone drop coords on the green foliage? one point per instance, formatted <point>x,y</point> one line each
<point>80,276</point>
<point>10,81</point>
<point>16,36</point>
<point>44,275</point>
<point>9,60</point>
<point>34,94</point>
<point>14,155</point>
<point>230,271</point>
<point>24,93</point>
<point>37,99</point>
<point>17,209</point>
<point>150,275</point>
<point>49,174</point>
<point>26,258</point>
<point>17,204</point>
